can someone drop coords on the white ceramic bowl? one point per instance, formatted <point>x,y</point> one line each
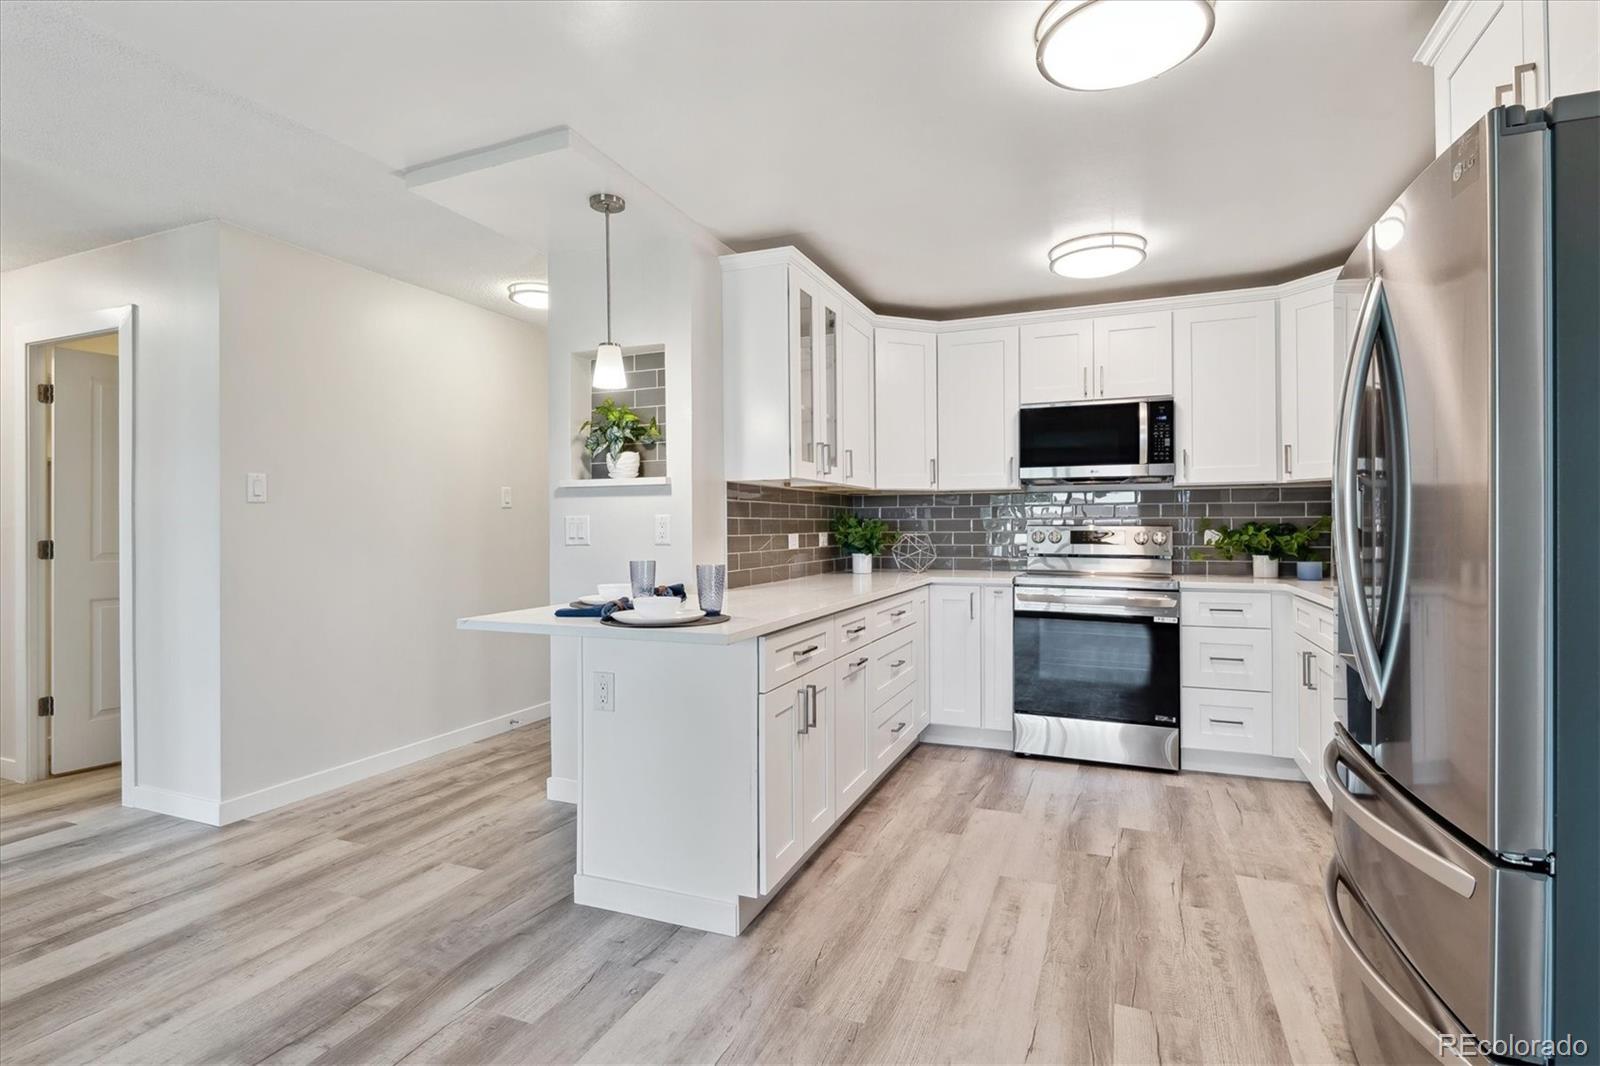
<point>615,591</point>
<point>657,606</point>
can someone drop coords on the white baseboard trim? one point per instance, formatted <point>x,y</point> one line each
<point>561,789</point>
<point>11,770</point>
<point>178,804</point>
<point>659,904</point>
<point>273,796</point>
<point>1240,764</point>
<point>966,737</point>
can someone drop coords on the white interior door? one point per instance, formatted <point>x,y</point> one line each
<point>85,638</point>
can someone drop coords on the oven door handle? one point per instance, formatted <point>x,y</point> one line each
<point>1098,610</point>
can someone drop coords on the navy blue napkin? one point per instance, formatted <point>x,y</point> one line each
<point>606,610</point>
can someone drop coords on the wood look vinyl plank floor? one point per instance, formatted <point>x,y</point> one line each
<point>977,907</point>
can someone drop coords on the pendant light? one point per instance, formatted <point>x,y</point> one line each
<point>608,372</point>
<point>1097,255</point>
<point>1104,44</point>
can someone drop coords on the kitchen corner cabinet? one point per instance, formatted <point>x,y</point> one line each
<point>1485,53</point>
<point>977,402</point>
<point>955,656</point>
<point>1311,327</point>
<point>1225,370</point>
<point>906,409</point>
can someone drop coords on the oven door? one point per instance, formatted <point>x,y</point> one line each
<point>1095,674</point>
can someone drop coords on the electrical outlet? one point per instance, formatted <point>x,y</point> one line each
<point>577,529</point>
<point>822,540</point>
<point>505,495</point>
<point>794,540</point>
<point>605,691</point>
<point>663,529</point>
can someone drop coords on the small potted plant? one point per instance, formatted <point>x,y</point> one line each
<point>617,431</point>
<point>1254,539</point>
<point>862,538</point>
<point>1295,543</point>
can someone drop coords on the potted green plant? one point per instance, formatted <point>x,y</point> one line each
<point>1295,543</point>
<point>1254,539</point>
<point>617,431</point>
<point>862,538</point>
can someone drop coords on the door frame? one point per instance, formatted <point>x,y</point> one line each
<point>25,661</point>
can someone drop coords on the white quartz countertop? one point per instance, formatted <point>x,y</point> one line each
<point>760,609</point>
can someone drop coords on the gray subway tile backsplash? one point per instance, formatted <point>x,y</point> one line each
<point>985,531</point>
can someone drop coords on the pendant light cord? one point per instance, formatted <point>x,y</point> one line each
<point>608,276</point>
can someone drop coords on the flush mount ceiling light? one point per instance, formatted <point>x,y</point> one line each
<point>534,294</point>
<point>1390,230</point>
<point>1103,44</point>
<point>1097,255</point>
<point>608,372</point>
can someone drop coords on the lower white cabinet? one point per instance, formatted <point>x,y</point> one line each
<point>1225,393</point>
<point>817,798</point>
<point>782,837</point>
<point>852,729</point>
<point>1227,720</point>
<point>1319,705</point>
<point>1226,658</point>
<point>955,656</point>
<point>997,666</point>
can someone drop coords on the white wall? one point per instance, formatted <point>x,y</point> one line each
<point>172,278</point>
<point>387,418</point>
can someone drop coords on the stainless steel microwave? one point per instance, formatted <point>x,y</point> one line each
<point>1109,440</point>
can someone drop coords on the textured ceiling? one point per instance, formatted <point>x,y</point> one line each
<point>912,148</point>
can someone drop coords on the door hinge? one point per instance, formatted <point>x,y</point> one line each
<point>47,549</point>
<point>47,706</point>
<point>47,393</point>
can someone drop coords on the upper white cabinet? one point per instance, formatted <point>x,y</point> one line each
<point>1057,360</point>
<point>906,409</point>
<point>797,374</point>
<point>1132,355</point>
<point>1311,327</point>
<point>1490,52</point>
<point>1105,358</point>
<point>977,409</point>
<point>1225,393</point>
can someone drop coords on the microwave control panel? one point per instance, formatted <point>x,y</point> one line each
<point>1160,430</point>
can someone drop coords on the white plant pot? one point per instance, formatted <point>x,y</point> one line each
<point>623,466</point>
<point>1264,565</point>
<point>860,563</point>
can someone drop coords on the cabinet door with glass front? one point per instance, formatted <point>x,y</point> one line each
<point>814,371</point>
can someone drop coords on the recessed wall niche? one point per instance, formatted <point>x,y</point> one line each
<point>646,393</point>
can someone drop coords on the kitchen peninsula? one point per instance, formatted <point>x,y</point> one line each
<point>715,759</point>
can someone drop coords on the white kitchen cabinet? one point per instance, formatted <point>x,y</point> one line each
<point>854,467</point>
<point>1056,360</point>
<point>813,375</point>
<point>1311,329</point>
<point>1225,371</point>
<point>955,656</point>
<point>817,798</point>
<point>1132,356</point>
<point>978,410</point>
<point>798,804</point>
<point>852,730</point>
<point>1484,53</point>
<point>997,665</point>
<point>906,409</point>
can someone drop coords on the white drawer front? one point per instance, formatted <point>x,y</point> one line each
<point>1226,658</point>
<point>894,665</point>
<point>890,615</point>
<point>1225,720</point>
<point>853,629</point>
<point>1241,610</point>
<point>895,732</point>
<point>787,654</point>
<point>1316,624</point>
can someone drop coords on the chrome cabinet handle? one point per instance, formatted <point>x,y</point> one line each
<point>1311,674</point>
<point>1288,459</point>
<point>1186,462</point>
<point>897,727</point>
<point>1500,94</point>
<point>803,652</point>
<point>849,462</point>
<point>933,471</point>
<point>801,712</point>
<point>1226,610</point>
<point>1102,381</point>
<point>1423,860</point>
<point>1305,669</point>
<point>1228,721</point>
<point>862,628</point>
<point>897,664</point>
<point>898,614</point>
<point>1227,658</point>
<point>859,663</point>
<point>972,605</point>
<point>811,707</point>
<point>1516,79</point>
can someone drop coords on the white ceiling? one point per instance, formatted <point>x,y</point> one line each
<point>911,148</point>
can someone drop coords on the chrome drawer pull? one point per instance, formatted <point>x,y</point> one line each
<point>862,628</point>
<point>897,664</point>
<point>898,726</point>
<point>898,614</point>
<point>801,654</point>
<point>859,663</point>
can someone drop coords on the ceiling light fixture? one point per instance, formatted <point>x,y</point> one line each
<point>1097,255</point>
<point>534,294</point>
<point>1104,44</point>
<point>608,372</point>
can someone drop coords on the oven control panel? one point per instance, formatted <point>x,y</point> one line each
<point>1137,541</point>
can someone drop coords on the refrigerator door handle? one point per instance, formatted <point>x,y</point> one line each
<point>1374,666</point>
<point>1427,862</point>
<point>1421,1029</point>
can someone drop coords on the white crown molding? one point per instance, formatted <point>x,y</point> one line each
<point>1439,34</point>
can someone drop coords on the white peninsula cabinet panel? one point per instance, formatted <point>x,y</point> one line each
<point>906,409</point>
<point>955,656</point>
<point>1225,363</point>
<point>978,409</point>
<point>1056,360</point>
<point>1132,356</point>
<point>1310,365</point>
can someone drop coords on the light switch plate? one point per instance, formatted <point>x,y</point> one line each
<point>663,529</point>
<point>255,488</point>
<point>577,529</point>
<point>505,495</point>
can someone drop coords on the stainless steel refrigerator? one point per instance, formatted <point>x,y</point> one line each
<point>1465,892</point>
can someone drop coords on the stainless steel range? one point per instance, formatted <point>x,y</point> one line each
<point>1095,646</point>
